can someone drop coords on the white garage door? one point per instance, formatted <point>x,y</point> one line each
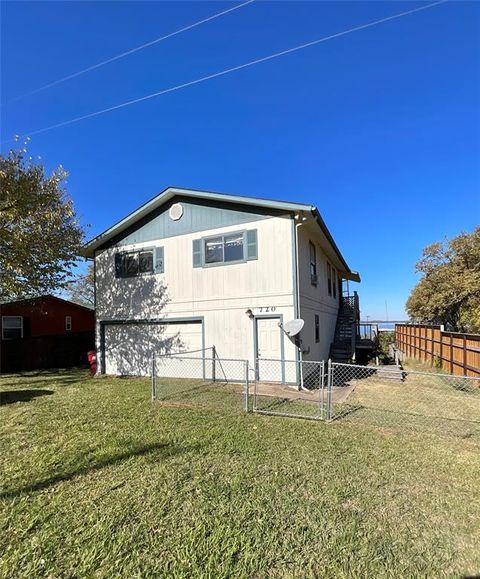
<point>129,347</point>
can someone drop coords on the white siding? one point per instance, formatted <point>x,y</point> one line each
<point>315,299</point>
<point>220,294</point>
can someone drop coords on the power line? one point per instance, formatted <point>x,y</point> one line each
<point>234,68</point>
<point>128,52</point>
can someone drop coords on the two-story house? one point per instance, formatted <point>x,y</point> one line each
<point>193,269</point>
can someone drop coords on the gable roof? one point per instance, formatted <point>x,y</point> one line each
<point>34,299</point>
<point>171,192</point>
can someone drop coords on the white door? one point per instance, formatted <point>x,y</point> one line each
<point>269,350</point>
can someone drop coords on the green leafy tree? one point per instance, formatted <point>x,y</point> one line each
<point>449,291</point>
<point>40,235</point>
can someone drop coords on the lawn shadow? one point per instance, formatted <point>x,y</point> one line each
<point>45,378</point>
<point>347,410</point>
<point>12,396</point>
<point>159,450</point>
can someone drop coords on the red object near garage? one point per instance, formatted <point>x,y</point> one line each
<point>92,360</point>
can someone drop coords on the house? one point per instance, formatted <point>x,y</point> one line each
<point>44,332</point>
<point>194,269</point>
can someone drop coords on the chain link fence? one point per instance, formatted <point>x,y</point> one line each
<point>387,397</point>
<point>204,381</point>
<point>396,399</point>
<point>290,388</point>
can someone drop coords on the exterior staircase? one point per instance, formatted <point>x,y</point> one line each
<point>346,330</point>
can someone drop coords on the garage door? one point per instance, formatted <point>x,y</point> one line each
<point>129,347</point>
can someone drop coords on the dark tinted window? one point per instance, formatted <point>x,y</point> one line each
<point>233,247</point>
<point>146,262</point>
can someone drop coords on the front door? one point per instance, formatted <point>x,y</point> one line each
<point>269,350</point>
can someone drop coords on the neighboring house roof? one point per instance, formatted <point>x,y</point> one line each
<point>46,297</point>
<point>171,192</point>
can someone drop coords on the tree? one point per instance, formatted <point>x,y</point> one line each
<point>449,291</point>
<point>40,235</point>
<point>82,290</point>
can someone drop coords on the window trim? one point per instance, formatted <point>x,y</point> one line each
<point>223,235</point>
<point>138,252</point>
<point>317,328</point>
<point>21,326</point>
<point>68,323</point>
<point>334,284</point>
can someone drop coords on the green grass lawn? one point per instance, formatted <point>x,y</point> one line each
<point>99,481</point>
<point>422,403</point>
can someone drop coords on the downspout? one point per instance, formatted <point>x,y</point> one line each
<point>297,294</point>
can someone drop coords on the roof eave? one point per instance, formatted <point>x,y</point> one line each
<point>170,192</point>
<point>348,273</point>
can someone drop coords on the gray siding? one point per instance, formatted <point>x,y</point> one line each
<point>196,217</point>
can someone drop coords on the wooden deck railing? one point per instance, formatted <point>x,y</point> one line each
<point>452,352</point>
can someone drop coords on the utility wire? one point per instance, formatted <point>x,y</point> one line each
<point>234,68</point>
<point>128,52</point>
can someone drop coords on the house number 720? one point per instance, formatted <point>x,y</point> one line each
<point>266,309</point>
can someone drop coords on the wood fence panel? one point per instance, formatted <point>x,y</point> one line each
<point>452,352</point>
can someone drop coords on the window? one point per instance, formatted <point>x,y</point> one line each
<point>214,250</point>
<point>134,263</point>
<point>68,323</point>
<point>317,328</point>
<point>313,264</point>
<point>145,262</point>
<point>329,278</point>
<point>223,249</point>
<point>12,327</point>
<point>334,284</point>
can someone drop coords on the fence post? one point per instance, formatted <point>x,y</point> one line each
<point>464,355</point>
<point>441,347</point>
<point>322,390</point>
<point>451,353</point>
<point>246,388</point>
<point>432,358</point>
<point>154,378</point>
<point>329,391</point>
<point>214,364</point>
<point>255,378</point>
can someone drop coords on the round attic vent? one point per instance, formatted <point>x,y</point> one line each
<point>176,211</point>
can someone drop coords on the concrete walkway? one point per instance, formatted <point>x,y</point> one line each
<point>276,390</point>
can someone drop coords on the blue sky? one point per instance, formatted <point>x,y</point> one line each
<point>380,129</point>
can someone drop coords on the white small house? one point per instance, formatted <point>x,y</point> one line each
<point>192,269</point>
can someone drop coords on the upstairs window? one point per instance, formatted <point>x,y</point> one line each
<point>68,323</point>
<point>142,262</point>
<point>223,249</point>
<point>329,278</point>
<point>334,284</point>
<point>12,327</point>
<point>313,264</point>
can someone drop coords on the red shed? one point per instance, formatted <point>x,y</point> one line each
<point>44,316</point>
<point>44,332</point>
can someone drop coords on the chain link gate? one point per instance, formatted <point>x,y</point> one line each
<point>292,388</point>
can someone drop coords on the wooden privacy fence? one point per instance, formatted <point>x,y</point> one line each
<point>453,352</point>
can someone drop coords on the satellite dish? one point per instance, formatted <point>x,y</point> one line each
<point>293,327</point>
